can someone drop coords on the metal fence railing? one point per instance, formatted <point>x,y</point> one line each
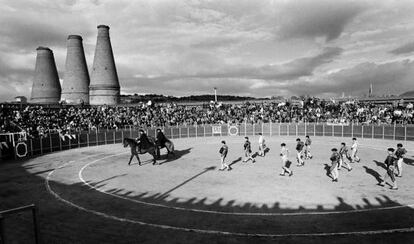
<point>55,142</point>
<point>5,213</point>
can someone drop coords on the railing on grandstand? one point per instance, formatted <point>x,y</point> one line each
<point>56,142</point>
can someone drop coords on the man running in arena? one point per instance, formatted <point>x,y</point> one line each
<point>335,157</point>
<point>390,163</point>
<point>299,149</point>
<point>308,143</point>
<point>399,154</point>
<point>284,154</point>
<point>354,151</point>
<point>223,154</point>
<point>344,155</point>
<point>262,145</point>
<point>248,151</point>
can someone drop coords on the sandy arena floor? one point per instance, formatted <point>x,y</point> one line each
<point>189,193</point>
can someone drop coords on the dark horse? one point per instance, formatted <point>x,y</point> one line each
<point>136,149</point>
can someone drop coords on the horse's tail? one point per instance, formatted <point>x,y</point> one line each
<point>170,146</point>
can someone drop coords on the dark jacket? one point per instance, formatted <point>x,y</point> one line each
<point>161,139</point>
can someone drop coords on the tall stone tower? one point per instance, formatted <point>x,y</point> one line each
<point>104,87</point>
<point>75,86</point>
<point>46,86</point>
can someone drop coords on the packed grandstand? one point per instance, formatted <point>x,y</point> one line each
<point>38,120</point>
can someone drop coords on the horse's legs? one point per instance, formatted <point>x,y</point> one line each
<point>139,161</point>
<point>130,159</point>
<point>158,152</point>
<point>153,155</point>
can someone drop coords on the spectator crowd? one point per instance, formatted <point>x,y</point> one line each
<point>39,120</point>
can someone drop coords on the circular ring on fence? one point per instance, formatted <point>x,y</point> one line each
<point>233,130</point>
<point>19,147</point>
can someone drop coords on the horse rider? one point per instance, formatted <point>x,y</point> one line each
<point>160,140</point>
<point>142,140</point>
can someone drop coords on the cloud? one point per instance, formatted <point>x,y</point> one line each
<point>207,72</point>
<point>392,77</point>
<point>406,48</point>
<point>310,19</point>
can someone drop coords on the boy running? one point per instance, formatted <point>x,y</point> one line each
<point>344,154</point>
<point>223,154</point>
<point>335,162</point>
<point>399,154</point>
<point>284,154</point>
<point>354,151</point>
<point>308,143</point>
<point>299,150</point>
<point>262,145</point>
<point>248,151</point>
<point>390,163</point>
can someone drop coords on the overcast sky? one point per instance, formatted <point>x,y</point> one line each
<point>257,48</point>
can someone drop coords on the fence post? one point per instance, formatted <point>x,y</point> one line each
<point>288,129</point>
<point>394,131</point>
<point>114,137</point>
<point>87,139</point>
<point>279,128</point>
<point>70,144</point>
<point>105,136</point>
<point>41,145</point>
<point>35,226</point>
<point>245,128</point>
<point>314,129</point>
<point>196,131</point>
<point>270,129</point>
<point>254,127</point>
<point>31,146</point>
<point>306,129</point>
<point>172,135</point>
<point>362,131</point>
<point>405,133</point>
<point>122,134</point>
<point>342,130</point>
<point>296,129</point>
<point>383,132</point>
<point>2,232</point>
<point>333,128</point>
<point>352,130</point>
<point>60,142</point>
<point>188,131</point>
<point>262,127</point>
<point>97,138</point>
<point>372,131</point>
<point>204,130</point>
<point>323,129</point>
<point>50,142</point>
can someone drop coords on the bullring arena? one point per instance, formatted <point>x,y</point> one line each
<point>90,194</point>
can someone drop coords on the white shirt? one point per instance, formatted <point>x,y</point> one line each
<point>284,152</point>
<point>261,140</point>
<point>354,146</point>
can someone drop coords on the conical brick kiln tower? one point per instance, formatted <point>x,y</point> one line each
<point>75,86</point>
<point>46,86</point>
<point>104,87</point>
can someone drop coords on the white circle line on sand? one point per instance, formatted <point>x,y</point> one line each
<point>202,231</point>
<point>80,176</point>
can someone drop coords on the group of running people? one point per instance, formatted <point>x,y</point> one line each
<point>341,158</point>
